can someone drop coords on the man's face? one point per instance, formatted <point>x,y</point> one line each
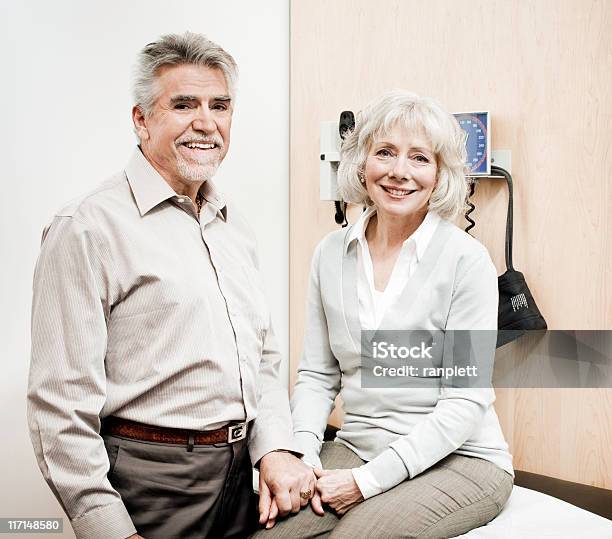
<point>187,133</point>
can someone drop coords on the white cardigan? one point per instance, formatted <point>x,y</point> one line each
<point>400,432</point>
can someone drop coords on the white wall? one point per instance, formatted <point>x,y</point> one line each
<point>66,126</point>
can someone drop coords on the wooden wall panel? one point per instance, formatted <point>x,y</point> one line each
<point>544,70</point>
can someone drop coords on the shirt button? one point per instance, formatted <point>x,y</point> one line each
<point>181,200</point>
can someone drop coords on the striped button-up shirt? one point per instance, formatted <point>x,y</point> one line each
<point>146,311</point>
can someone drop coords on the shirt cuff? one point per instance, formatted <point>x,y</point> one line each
<point>387,469</point>
<point>366,482</point>
<point>109,521</point>
<point>266,442</point>
<point>310,446</point>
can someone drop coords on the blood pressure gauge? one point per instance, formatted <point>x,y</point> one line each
<point>478,144</point>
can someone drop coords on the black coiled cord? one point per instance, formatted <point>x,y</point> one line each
<point>471,207</point>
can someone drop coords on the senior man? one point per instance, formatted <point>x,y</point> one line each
<point>154,372</point>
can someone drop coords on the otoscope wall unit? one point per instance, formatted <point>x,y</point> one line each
<point>330,158</point>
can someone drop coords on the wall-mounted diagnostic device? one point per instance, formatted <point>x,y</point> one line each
<point>332,135</point>
<point>330,158</point>
<point>477,126</point>
<point>480,156</point>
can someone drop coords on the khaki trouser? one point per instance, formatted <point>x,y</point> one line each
<point>174,493</point>
<point>454,496</point>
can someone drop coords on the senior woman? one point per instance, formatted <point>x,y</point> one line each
<point>407,462</point>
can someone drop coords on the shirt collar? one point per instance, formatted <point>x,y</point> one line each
<point>358,229</point>
<point>214,198</point>
<point>150,189</point>
<point>420,237</point>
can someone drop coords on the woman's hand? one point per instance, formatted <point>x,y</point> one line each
<point>338,489</point>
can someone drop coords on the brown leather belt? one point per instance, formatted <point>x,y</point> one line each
<point>150,433</point>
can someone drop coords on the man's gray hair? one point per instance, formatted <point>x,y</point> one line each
<point>413,113</point>
<point>177,49</point>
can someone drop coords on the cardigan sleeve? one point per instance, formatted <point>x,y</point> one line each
<point>318,379</point>
<point>459,411</point>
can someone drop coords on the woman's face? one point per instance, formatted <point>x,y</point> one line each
<point>400,173</point>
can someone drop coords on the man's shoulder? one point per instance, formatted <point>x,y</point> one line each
<point>106,195</point>
<point>87,213</point>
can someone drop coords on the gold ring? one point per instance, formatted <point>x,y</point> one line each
<point>305,495</point>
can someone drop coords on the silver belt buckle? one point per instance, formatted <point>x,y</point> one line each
<point>236,432</point>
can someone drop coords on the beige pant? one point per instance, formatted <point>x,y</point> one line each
<point>454,496</point>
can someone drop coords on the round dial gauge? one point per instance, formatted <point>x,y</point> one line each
<point>476,126</point>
